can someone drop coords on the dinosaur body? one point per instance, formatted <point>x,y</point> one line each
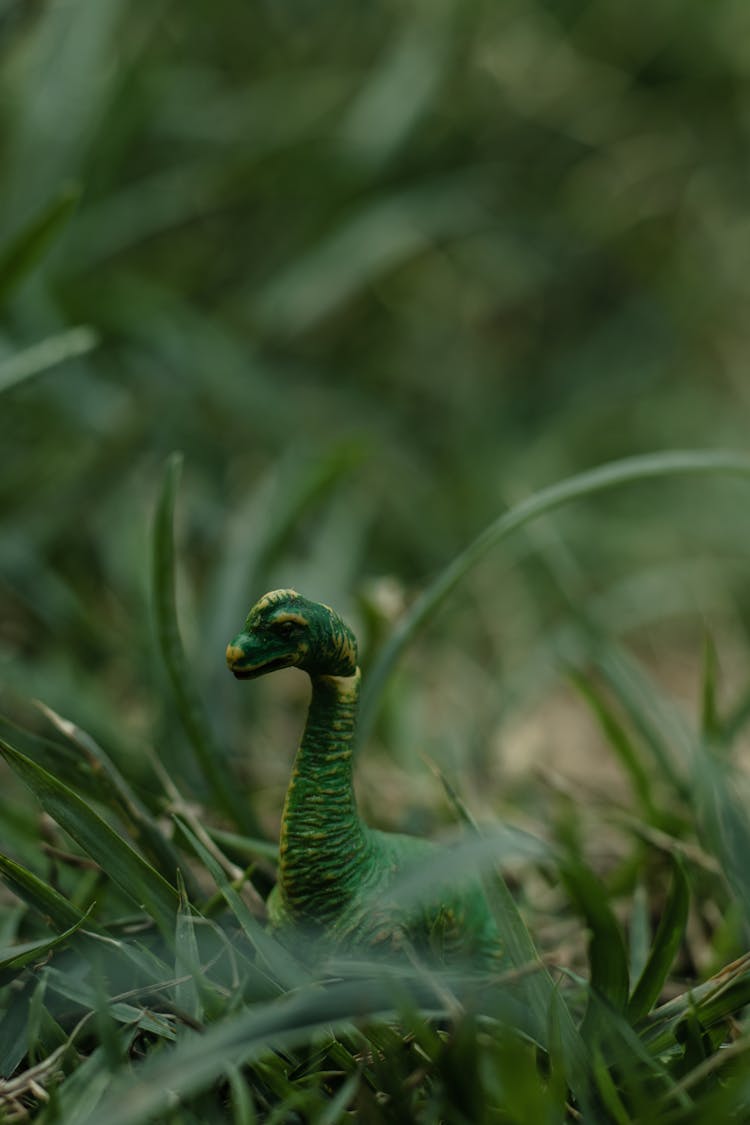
<point>335,872</point>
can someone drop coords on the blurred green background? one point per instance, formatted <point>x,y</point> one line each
<point>378,271</point>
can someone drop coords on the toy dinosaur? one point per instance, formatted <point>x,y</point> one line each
<point>335,872</point>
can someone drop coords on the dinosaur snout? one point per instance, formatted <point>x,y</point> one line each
<point>234,656</point>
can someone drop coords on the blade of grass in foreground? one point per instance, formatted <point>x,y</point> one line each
<point>612,475</point>
<point>210,755</point>
<point>607,956</point>
<point>17,957</point>
<point>477,857</point>
<point>281,964</point>
<point>291,1021</point>
<point>666,943</point>
<point>53,906</point>
<point>115,856</point>
<point>187,959</point>
<point>72,987</point>
<point>722,995</point>
<point>59,912</point>
<point>541,991</point>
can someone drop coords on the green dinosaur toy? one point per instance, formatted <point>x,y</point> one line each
<point>335,872</point>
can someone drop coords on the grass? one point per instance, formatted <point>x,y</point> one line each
<point>177,1004</point>
<point>388,279</point>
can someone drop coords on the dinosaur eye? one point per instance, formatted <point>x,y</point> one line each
<point>286,627</point>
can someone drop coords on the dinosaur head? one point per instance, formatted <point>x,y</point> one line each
<point>285,630</point>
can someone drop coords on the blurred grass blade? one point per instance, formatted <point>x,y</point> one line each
<point>608,1091</point>
<point>282,1024</point>
<point>717,999</point>
<point>187,958</point>
<point>539,989</point>
<point>612,475</point>
<point>558,1017</point>
<point>639,931</point>
<point>114,855</point>
<point>54,907</point>
<point>659,725</point>
<point>619,740</point>
<point>710,721</point>
<point>300,487</point>
<point>608,962</point>
<point>336,1108</point>
<point>281,964</point>
<point>24,251</point>
<point>261,531</point>
<point>82,1092</point>
<point>211,757</point>
<point>243,1112</point>
<point>379,236</point>
<point>465,861</point>
<point>723,822</point>
<point>666,943</point>
<point>197,1062</point>
<point>18,957</point>
<point>246,846</point>
<point>463,813</point>
<point>48,353</point>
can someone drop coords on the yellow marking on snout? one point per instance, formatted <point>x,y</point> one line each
<point>234,655</point>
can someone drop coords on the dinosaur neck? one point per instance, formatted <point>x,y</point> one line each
<point>323,841</point>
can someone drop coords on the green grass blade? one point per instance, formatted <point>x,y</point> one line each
<point>47,353</point>
<point>639,931</point>
<point>187,959</point>
<point>84,995</point>
<point>621,743</point>
<point>723,822</point>
<point>54,907</point>
<point>281,964</point>
<point>114,855</point>
<point>612,475</point>
<point>261,531</point>
<point>666,943</point>
<point>722,995</point>
<point>710,721</point>
<point>243,1111</point>
<point>608,1091</point>
<point>211,757</point>
<point>17,957</point>
<point>336,1108</point>
<point>278,1025</point>
<point>608,959</point>
<point>540,990</point>
<point>662,731</point>
<point>246,846</point>
<point>80,1096</point>
<point>117,792</point>
<point>24,251</point>
<point>198,1061</point>
<point>468,860</point>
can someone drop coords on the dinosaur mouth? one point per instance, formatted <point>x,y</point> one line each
<point>256,670</point>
